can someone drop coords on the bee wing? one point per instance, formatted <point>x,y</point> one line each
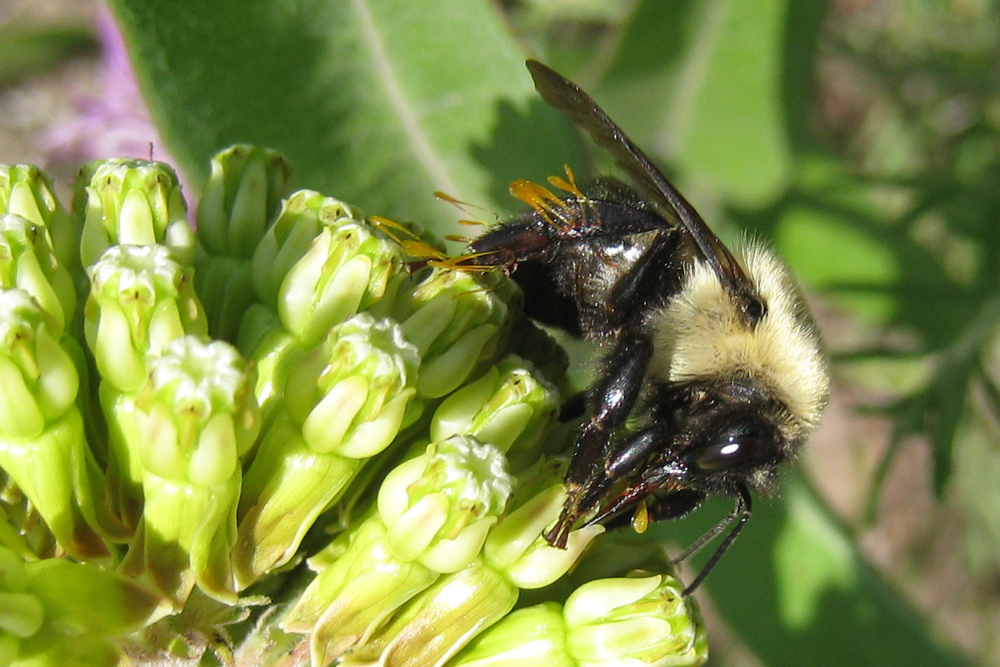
<point>565,96</point>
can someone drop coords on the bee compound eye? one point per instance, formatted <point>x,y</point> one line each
<point>741,445</point>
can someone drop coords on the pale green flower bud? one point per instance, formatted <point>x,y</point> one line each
<point>639,620</point>
<point>347,268</point>
<point>457,320</point>
<point>352,597</point>
<point>125,469</point>
<point>436,624</point>
<point>42,444</point>
<point>510,407</point>
<point>56,472</point>
<point>517,547</point>
<point>439,506</point>
<point>303,215</point>
<point>132,202</point>
<point>286,488</point>
<point>240,199</point>
<point>433,514</point>
<point>275,356</point>
<point>27,191</point>
<point>196,414</point>
<point>28,262</point>
<point>38,379</point>
<point>195,417</point>
<point>141,300</point>
<point>225,290</point>
<point>351,393</point>
<point>340,404</point>
<point>529,637</point>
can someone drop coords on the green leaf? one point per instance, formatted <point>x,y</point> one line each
<point>378,102</point>
<point>708,77</point>
<point>25,51</point>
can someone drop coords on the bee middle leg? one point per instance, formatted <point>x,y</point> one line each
<point>611,400</point>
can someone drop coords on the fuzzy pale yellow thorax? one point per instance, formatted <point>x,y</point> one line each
<point>700,334</point>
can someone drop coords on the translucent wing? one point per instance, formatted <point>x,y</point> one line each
<point>565,96</point>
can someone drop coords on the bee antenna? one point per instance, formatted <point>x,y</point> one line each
<point>741,515</point>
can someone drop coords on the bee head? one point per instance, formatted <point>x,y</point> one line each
<point>751,389</point>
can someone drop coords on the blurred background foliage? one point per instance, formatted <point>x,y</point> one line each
<point>862,137</point>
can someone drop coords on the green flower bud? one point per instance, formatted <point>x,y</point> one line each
<point>351,393</point>
<point>27,191</point>
<point>125,469</point>
<point>286,488</point>
<point>27,262</point>
<point>433,514</point>
<point>439,506</point>
<point>239,201</point>
<point>38,379</point>
<point>641,619</point>
<point>510,406</point>
<point>637,620</point>
<point>344,402</point>
<point>456,320</point>
<point>132,202</point>
<point>195,417</point>
<point>225,289</point>
<point>141,300</point>
<point>240,198</point>
<point>275,356</point>
<point>529,637</point>
<point>434,626</point>
<point>57,473</point>
<point>259,323</point>
<point>303,215</point>
<point>517,547</point>
<point>348,268</point>
<point>351,598</point>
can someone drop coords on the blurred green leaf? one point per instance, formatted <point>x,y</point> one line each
<point>27,50</point>
<point>705,81</point>
<point>819,241</point>
<point>378,102</point>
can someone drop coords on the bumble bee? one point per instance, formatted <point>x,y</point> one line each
<point>711,373</point>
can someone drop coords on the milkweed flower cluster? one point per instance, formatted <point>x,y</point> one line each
<point>275,439</point>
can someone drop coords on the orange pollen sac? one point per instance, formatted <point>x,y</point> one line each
<point>411,245</point>
<point>539,198</point>
<point>568,184</point>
